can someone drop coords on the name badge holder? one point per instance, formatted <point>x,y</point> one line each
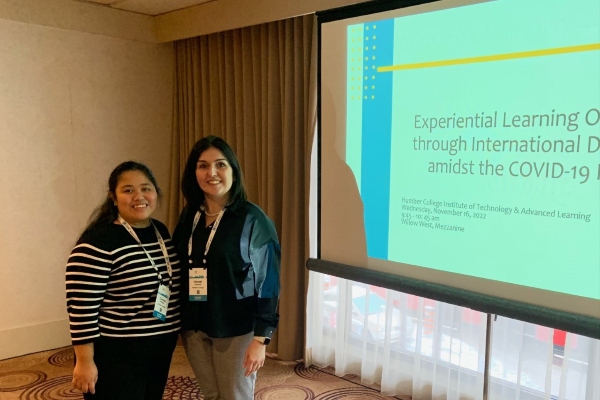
<point>161,305</point>
<point>198,284</point>
<point>198,281</point>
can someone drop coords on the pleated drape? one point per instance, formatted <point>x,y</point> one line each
<point>256,88</point>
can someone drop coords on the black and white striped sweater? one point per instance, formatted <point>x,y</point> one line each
<point>112,286</point>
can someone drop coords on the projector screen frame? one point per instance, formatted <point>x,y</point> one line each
<point>574,323</point>
<point>585,325</point>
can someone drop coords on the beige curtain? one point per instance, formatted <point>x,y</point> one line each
<point>256,88</point>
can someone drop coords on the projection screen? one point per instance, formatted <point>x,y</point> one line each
<point>460,146</point>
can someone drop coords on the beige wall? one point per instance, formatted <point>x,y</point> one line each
<point>205,18</point>
<point>80,16</point>
<point>72,106</point>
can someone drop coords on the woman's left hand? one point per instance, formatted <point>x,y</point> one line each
<point>255,357</point>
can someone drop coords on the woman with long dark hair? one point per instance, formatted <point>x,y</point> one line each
<point>123,293</point>
<point>230,279</point>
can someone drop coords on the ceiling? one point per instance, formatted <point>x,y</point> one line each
<point>148,7</point>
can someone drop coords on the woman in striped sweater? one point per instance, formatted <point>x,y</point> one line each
<point>122,286</point>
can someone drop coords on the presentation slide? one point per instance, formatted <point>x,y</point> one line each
<point>473,136</point>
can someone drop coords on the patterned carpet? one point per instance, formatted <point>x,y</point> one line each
<point>46,376</point>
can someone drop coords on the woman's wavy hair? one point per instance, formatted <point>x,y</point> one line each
<point>106,213</point>
<point>189,183</point>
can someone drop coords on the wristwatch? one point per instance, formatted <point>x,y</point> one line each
<point>263,340</point>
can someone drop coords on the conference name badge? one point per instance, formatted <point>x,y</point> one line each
<point>162,302</point>
<point>198,284</point>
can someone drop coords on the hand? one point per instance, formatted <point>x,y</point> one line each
<point>85,376</point>
<point>254,357</point>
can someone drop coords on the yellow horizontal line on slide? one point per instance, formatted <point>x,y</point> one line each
<point>495,57</point>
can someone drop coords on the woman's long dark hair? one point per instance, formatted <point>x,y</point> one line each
<point>106,213</point>
<point>189,183</point>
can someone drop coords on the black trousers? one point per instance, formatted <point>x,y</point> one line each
<point>132,368</point>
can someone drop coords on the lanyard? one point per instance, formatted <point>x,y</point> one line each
<point>210,237</point>
<point>163,247</point>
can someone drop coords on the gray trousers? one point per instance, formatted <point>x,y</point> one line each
<point>217,365</point>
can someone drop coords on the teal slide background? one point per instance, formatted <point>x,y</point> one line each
<point>549,253</point>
